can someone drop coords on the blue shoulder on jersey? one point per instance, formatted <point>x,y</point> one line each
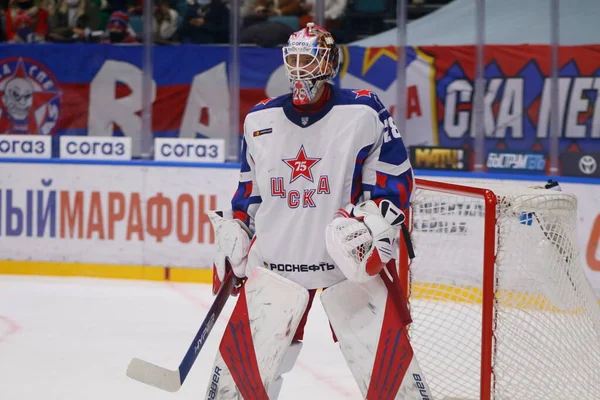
<point>360,96</point>
<point>271,102</point>
<point>389,184</point>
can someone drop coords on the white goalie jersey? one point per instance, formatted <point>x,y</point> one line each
<point>298,169</point>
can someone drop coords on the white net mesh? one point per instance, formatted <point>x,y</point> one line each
<point>546,316</point>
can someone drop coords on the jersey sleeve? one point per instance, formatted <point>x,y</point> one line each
<point>246,200</point>
<point>387,173</point>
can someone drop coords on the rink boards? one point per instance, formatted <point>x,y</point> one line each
<point>148,220</point>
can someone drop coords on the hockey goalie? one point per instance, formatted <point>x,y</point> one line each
<point>323,184</point>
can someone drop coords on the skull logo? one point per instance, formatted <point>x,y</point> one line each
<point>18,98</point>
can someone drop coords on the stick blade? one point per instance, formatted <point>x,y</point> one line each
<point>154,375</point>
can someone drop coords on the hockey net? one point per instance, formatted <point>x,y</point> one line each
<point>500,303</point>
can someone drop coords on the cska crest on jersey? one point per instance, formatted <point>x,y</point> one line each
<point>301,167</point>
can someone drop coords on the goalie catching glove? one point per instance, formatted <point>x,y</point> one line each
<point>232,240</point>
<point>361,240</point>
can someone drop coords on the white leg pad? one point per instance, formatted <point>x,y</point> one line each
<point>286,366</point>
<point>373,340</point>
<point>257,337</point>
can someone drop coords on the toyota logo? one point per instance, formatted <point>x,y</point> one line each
<point>587,165</point>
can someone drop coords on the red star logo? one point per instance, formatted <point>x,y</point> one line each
<point>40,98</point>
<point>362,93</point>
<point>301,165</point>
<point>266,101</point>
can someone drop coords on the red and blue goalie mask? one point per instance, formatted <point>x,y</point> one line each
<point>311,59</point>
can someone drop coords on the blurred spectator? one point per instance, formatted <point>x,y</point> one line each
<point>334,12</point>
<point>74,20</point>
<point>257,11</point>
<point>266,34</point>
<point>49,5</point>
<point>165,21</point>
<point>280,7</point>
<point>23,26</point>
<point>253,13</point>
<point>2,38</point>
<point>26,22</point>
<point>206,21</point>
<point>138,8</point>
<point>105,12</point>
<point>120,5</point>
<point>246,7</point>
<point>107,7</point>
<point>118,29</point>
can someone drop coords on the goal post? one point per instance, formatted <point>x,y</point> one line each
<point>500,304</point>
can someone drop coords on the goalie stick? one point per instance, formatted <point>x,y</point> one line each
<point>171,381</point>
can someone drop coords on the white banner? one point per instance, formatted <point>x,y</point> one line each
<point>157,215</point>
<point>111,214</point>
<point>25,146</point>
<point>189,150</point>
<point>95,147</point>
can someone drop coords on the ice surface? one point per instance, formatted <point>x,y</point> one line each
<point>72,338</point>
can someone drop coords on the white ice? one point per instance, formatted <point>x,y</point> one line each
<point>72,338</point>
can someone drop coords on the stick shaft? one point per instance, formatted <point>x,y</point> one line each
<point>395,292</point>
<point>211,317</point>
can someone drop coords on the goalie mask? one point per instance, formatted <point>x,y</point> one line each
<point>311,59</point>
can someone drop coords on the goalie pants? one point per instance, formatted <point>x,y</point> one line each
<point>299,335</point>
